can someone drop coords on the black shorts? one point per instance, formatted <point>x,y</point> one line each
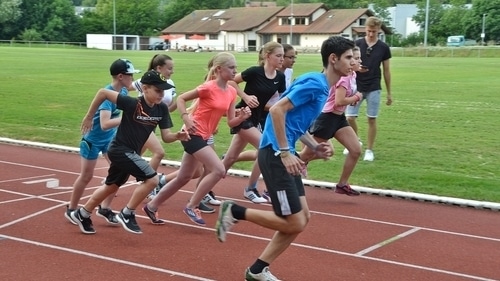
<point>327,124</point>
<point>283,188</point>
<point>247,124</point>
<point>126,162</point>
<point>194,144</point>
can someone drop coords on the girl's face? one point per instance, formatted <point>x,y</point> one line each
<point>275,59</point>
<point>357,58</point>
<point>289,59</point>
<point>167,69</point>
<point>227,71</point>
<point>152,94</point>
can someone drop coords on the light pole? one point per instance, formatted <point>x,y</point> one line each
<point>291,22</point>
<point>426,28</point>
<point>114,24</point>
<point>482,32</point>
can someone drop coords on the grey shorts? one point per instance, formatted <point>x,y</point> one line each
<point>124,163</point>
<point>372,105</point>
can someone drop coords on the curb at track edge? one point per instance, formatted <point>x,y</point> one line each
<point>321,184</point>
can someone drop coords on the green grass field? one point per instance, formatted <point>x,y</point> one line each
<point>439,137</point>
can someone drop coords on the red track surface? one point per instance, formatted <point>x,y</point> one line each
<point>348,238</point>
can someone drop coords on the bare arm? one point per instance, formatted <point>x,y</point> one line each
<point>106,121</point>
<point>181,105</point>
<point>168,137</point>
<point>251,101</point>
<point>341,98</point>
<point>387,79</point>
<point>102,95</point>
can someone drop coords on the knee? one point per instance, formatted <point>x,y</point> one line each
<point>219,172</point>
<point>299,225</point>
<point>351,118</point>
<point>159,153</point>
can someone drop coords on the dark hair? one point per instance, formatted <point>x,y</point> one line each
<point>158,60</point>
<point>287,47</point>
<point>334,45</point>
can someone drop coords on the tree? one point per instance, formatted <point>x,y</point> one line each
<point>474,20</point>
<point>9,10</point>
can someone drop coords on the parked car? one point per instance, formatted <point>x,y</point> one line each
<point>157,46</point>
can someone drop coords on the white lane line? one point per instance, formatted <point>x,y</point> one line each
<point>28,178</point>
<point>88,254</point>
<point>387,241</point>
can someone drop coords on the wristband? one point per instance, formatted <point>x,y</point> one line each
<point>285,149</point>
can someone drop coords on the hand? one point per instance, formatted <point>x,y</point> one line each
<point>324,150</point>
<point>86,124</point>
<point>183,136</point>
<point>251,101</point>
<point>190,124</point>
<point>292,163</point>
<point>359,97</point>
<point>244,113</point>
<point>389,99</point>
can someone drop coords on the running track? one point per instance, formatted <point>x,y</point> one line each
<point>364,238</point>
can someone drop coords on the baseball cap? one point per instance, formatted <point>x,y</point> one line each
<point>155,78</point>
<point>122,66</point>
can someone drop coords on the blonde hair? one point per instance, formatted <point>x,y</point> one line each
<point>267,49</point>
<point>373,22</point>
<point>219,59</point>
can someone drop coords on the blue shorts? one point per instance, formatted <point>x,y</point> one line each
<point>372,105</point>
<point>90,151</point>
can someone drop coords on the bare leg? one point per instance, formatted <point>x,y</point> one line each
<point>372,132</point>
<point>347,137</point>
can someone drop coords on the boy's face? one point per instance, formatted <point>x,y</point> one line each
<point>126,80</point>
<point>153,94</point>
<point>372,32</point>
<point>345,64</point>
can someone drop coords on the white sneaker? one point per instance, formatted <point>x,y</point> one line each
<point>225,220</point>
<point>265,275</point>
<point>210,199</point>
<point>347,151</point>
<point>254,196</point>
<point>369,155</point>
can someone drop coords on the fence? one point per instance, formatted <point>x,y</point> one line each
<point>472,52</point>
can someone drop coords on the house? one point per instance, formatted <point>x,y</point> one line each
<point>306,26</point>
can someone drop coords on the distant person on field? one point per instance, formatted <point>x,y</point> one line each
<point>140,117</point>
<point>373,53</point>
<point>105,120</point>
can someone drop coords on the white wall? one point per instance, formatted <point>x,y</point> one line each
<point>100,41</point>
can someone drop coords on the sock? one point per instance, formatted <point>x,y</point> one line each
<point>258,266</point>
<point>84,213</point>
<point>251,186</point>
<point>238,212</point>
<point>127,211</point>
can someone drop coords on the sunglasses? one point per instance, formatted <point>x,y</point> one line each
<point>369,51</point>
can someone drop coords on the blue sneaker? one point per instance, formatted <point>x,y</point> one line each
<point>194,215</point>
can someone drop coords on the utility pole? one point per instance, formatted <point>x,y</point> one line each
<point>482,32</point>
<point>291,22</point>
<point>426,29</point>
<point>114,24</point>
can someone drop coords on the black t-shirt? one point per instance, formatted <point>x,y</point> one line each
<point>370,81</point>
<point>257,84</point>
<point>138,121</point>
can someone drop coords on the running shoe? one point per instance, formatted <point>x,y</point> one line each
<point>254,196</point>
<point>225,220</point>
<point>67,215</point>
<point>266,196</point>
<point>161,183</point>
<point>153,216</point>
<point>128,222</point>
<point>265,275</point>
<point>369,155</point>
<point>346,189</point>
<point>85,224</point>
<point>107,214</point>
<point>210,199</point>
<point>205,209</point>
<point>194,215</point>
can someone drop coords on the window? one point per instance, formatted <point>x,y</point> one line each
<point>300,21</point>
<point>362,22</point>
<point>213,36</point>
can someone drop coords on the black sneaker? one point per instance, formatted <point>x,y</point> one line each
<point>128,222</point>
<point>205,209</point>
<point>67,215</point>
<point>85,224</point>
<point>107,214</point>
<point>152,215</point>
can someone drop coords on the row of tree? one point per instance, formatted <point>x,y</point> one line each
<point>55,20</point>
